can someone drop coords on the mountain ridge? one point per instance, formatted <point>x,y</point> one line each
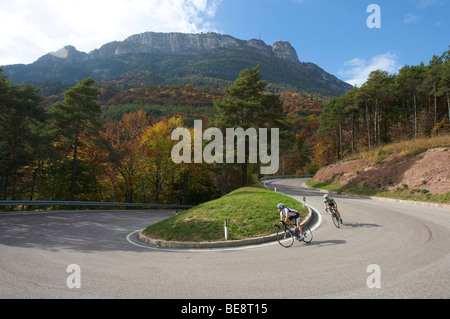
<point>172,57</point>
<point>188,44</point>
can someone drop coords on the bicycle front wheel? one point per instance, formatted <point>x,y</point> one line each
<point>336,221</point>
<point>307,234</point>
<point>285,237</point>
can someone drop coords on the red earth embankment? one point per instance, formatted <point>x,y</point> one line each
<point>425,173</point>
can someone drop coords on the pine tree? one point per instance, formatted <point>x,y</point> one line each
<point>248,105</point>
<point>20,113</point>
<point>77,114</point>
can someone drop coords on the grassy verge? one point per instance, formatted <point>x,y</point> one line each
<point>376,156</point>
<point>250,212</point>
<point>406,148</point>
<point>421,195</point>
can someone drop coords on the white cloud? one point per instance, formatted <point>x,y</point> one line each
<point>32,28</point>
<point>357,70</point>
<point>411,18</point>
<point>422,4</point>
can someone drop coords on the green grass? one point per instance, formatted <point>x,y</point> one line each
<point>405,148</point>
<point>250,212</point>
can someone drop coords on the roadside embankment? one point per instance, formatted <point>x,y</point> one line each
<point>400,172</point>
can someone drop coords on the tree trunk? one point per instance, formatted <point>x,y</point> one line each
<point>3,178</point>
<point>375,126</point>
<point>448,106</point>
<point>368,124</point>
<point>74,167</point>
<point>353,132</point>
<point>244,173</point>
<point>415,117</point>
<point>435,104</point>
<point>340,141</point>
<point>33,183</point>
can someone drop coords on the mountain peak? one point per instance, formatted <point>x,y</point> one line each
<point>68,52</point>
<point>285,50</point>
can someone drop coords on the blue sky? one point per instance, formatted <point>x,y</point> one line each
<point>334,33</point>
<point>330,33</point>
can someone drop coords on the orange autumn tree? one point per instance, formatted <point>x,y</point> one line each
<point>123,142</point>
<point>156,147</point>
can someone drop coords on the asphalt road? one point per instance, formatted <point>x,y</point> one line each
<point>410,246</point>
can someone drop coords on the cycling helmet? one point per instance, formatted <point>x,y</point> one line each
<point>280,206</point>
<point>326,196</point>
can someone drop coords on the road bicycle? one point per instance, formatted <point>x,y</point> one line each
<point>286,236</point>
<point>335,217</point>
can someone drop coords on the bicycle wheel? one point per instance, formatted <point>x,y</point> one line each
<point>336,221</point>
<point>285,237</point>
<point>307,233</point>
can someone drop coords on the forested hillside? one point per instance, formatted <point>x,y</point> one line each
<point>111,140</point>
<point>110,144</point>
<point>388,108</point>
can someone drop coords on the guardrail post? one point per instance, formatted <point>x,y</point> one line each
<point>226,230</point>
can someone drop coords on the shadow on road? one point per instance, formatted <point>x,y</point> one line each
<point>360,225</point>
<point>78,231</point>
<point>326,243</point>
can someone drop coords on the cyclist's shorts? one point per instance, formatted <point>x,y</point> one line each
<point>296,217</point>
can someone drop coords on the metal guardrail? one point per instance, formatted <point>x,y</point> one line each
<point>284,177</point>
<point>47,204</point>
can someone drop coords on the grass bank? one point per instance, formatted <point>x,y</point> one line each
<point>405,148</point>
<point>411,170</point>
<point>421,195</point>
<point>250,212</point>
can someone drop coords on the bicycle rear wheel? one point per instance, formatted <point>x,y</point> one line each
<point>285,237</point>
<point>307,234</point>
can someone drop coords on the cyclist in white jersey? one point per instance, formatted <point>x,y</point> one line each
<point>290,214</point>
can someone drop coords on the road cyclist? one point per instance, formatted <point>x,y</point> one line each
<point>330,203</point>
<point>288,214</point>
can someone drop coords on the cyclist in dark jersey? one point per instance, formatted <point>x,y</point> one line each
<point>290,214</point>
<point>330,202</point>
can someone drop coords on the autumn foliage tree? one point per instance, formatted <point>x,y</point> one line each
<point>122,141</point>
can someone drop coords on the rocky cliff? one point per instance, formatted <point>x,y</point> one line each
<point>191,44</point>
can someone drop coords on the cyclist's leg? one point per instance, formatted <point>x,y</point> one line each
<point>296,224</point>
<point>299,226</point>
<point>335,209</point>
<point>340,218</point>
<point>288,224</point>
<point>338,214</point>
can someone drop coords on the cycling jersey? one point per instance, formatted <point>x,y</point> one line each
<point>291,213</point>
<point>329,201</point>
